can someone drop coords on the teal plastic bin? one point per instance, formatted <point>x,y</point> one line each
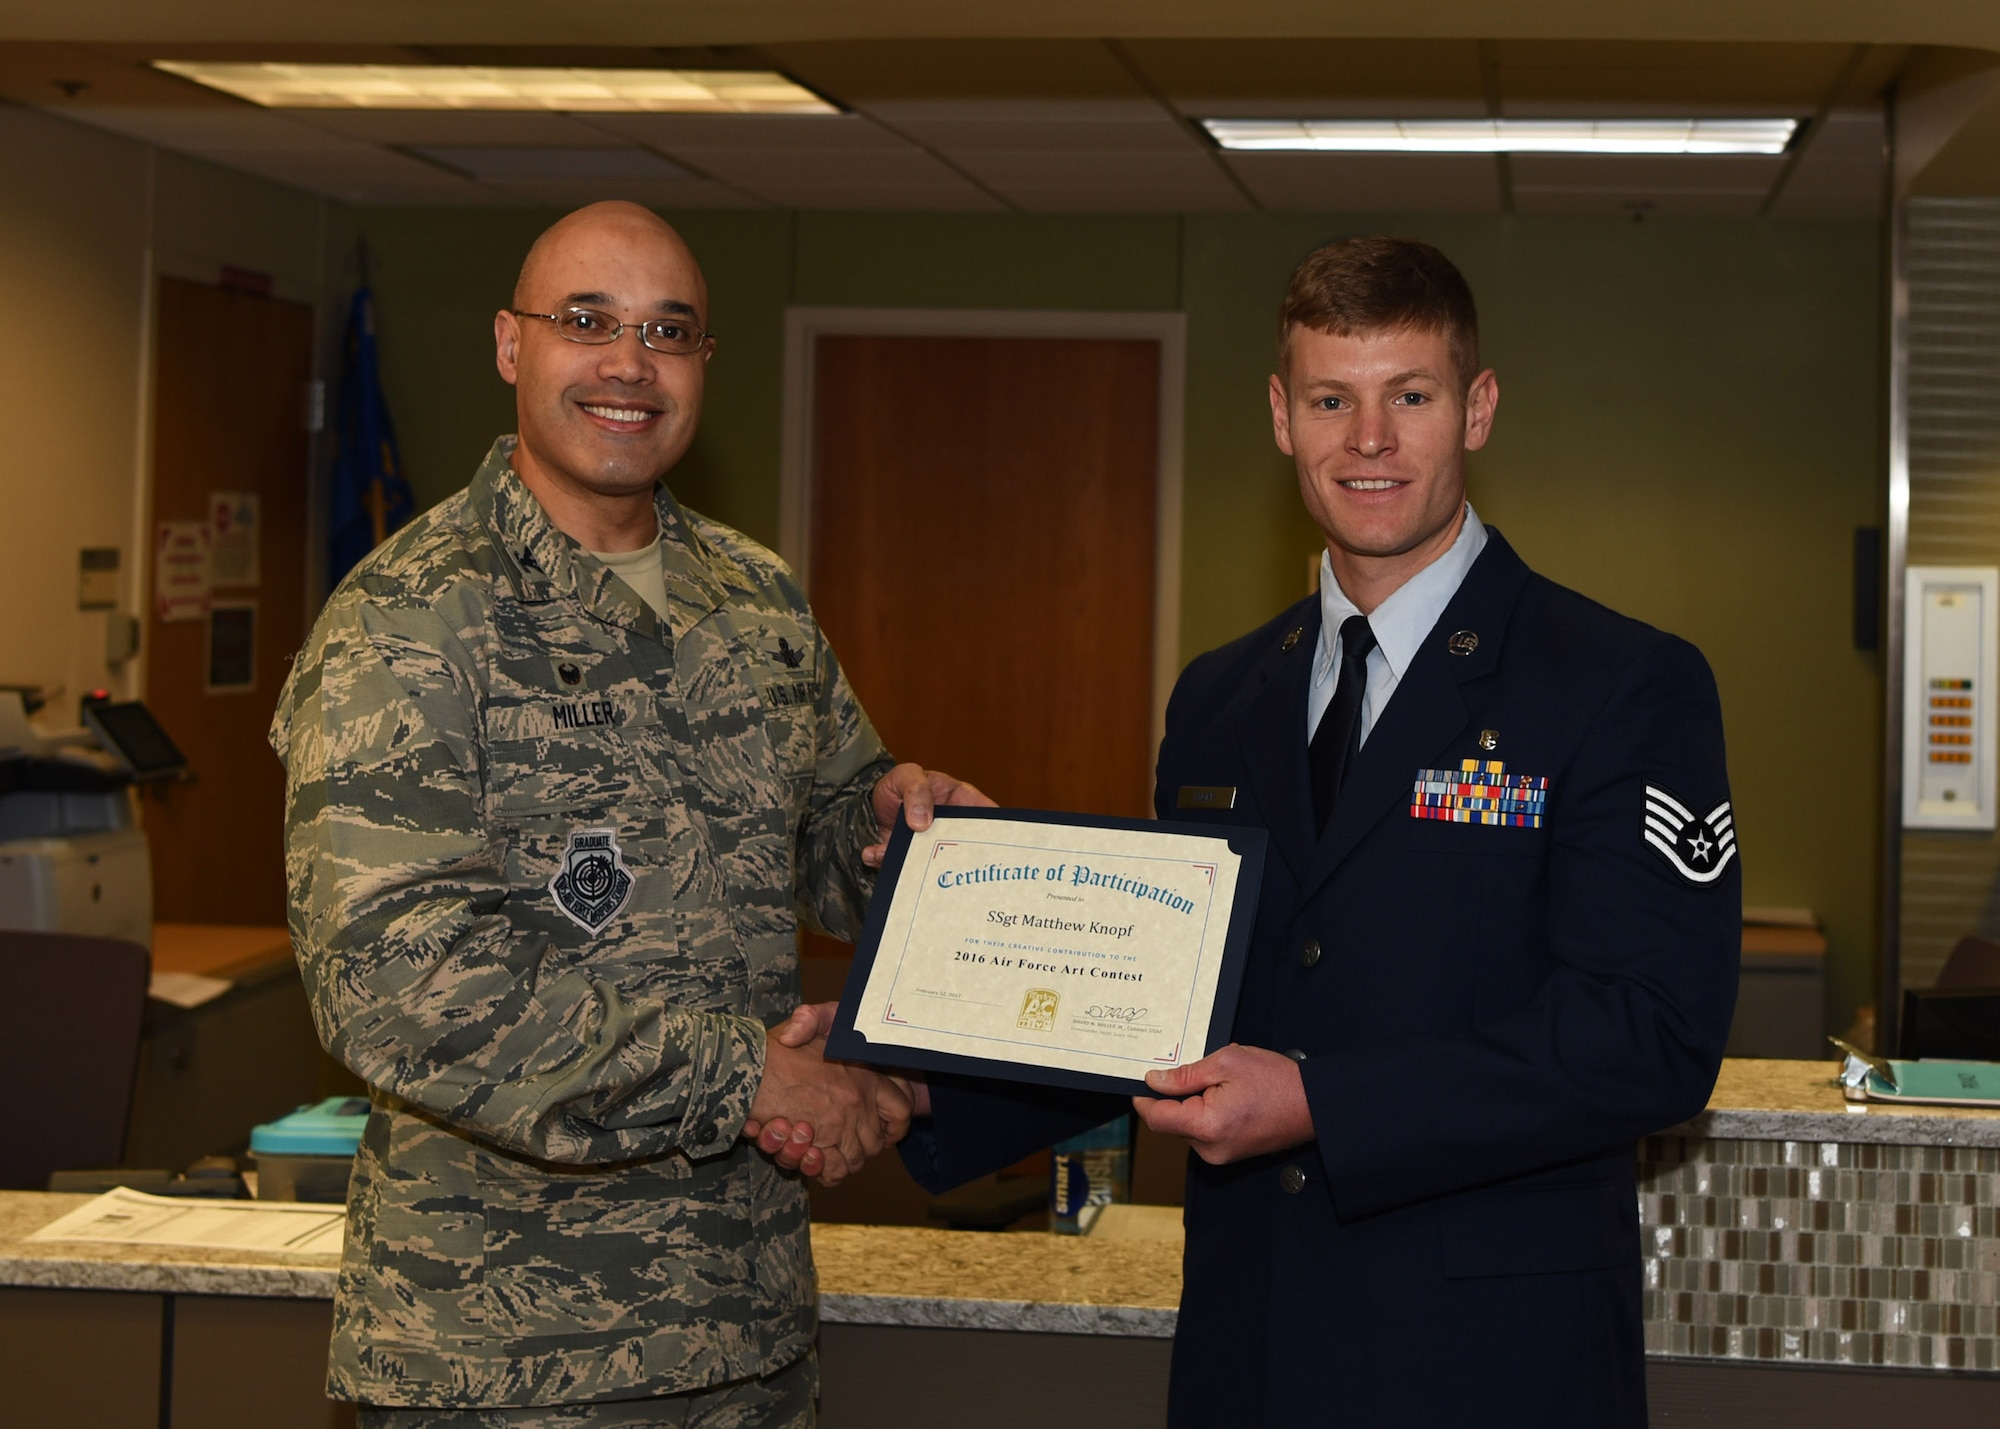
<point>308,1155</point>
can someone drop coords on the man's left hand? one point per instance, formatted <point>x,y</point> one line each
<point>1240,1102</point>
<point>915,791</point>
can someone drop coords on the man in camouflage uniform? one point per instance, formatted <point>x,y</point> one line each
<point>548,835</point>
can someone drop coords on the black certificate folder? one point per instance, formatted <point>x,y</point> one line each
<point>1078,951</point>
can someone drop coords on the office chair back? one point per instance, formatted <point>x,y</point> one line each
<point>1974,962</point>
<point>69,1049</point>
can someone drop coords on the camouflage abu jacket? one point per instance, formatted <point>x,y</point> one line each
<point>546,854</point>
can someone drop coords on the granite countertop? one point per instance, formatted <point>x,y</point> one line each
<point>869,1275</point>
<point>84,1265</point>
<point>969,1280</point>
<point>911,1275</point>
<point>1760,1099</point>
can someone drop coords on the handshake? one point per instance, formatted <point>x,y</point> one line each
<point>824,1119</point>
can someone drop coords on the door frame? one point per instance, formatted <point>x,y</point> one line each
<point>805,325</point>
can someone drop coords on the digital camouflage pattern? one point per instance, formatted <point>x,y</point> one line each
<point>551,1203</point>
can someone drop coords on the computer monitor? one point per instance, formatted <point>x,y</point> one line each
<point>136,740</point>
<point>1950,1024</point>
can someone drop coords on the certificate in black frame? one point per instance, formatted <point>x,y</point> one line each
<point>847,1043</point>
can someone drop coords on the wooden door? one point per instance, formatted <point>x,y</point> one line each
<point>982,556</point>
<point>983,533</point>
<point>229,388</point>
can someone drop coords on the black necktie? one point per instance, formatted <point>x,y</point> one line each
<point>1338,737</point>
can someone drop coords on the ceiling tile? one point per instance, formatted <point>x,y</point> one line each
<point>788,166</point>
<point>1221,197</point>
<point>413,127</point>
<point>1323,107</point>
<point>324,169</point>
<point>1729,203</point>
<point>1669,76</point>
<point>575,193</point>
<point>1647,173</point>
<point>1455,183</point>
<point>1514,108</point>
<point>1079,169</point>
<point>240,127</point>
<point>916,198</point>
<point>905,113</point>
<point>1105,125</point>
<point>1260,72</point>
<point>858,72</point>
<point>807,132</point>
<point>366,176</point>
<point>534,164</point>
<point>461,194</point>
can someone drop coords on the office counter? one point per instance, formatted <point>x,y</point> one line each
<point>1800,1260</point>
<point>1787,1232</point>
<point>913,1319</point>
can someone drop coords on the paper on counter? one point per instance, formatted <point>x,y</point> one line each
<point>186,989</point>
<point>127,1217</point>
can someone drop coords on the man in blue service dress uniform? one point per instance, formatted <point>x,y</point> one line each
<point>1497,941</point>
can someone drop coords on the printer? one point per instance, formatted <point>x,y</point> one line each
<point>72,857</point>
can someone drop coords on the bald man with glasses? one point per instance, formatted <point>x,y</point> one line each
<point>566,765</point>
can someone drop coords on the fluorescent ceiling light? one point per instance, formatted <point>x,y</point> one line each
<point>1506,136</point>
<point>644,91</point>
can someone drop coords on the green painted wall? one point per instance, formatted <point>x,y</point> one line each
<point>1689,431</point>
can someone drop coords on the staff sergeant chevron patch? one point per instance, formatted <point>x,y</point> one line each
<point>1697,849</point>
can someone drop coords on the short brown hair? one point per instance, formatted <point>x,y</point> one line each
<point>1368,285</point>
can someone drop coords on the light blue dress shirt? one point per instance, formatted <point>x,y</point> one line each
<point>1400,624</point>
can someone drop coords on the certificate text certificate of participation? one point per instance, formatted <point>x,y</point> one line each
<point>1088,949</point>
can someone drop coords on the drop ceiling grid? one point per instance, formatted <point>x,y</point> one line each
<point>964,127</point>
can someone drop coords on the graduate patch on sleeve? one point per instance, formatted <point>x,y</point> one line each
<point>1698,849</point>
<point>593,882</point>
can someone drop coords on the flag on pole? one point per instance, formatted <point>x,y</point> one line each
<point>371,498</point>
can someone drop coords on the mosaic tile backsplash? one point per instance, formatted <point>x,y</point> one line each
<point>1821,1252</point>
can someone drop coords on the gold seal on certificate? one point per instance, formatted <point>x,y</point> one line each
<point>1052,947</point>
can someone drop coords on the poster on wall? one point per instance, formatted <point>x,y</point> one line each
<point>1949,648</point>
<point>97,578</point>
<point>181,583</point>
<point>233,524</point>
<point>232,647</point>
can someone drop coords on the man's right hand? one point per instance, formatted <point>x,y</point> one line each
<point>824,1118</point>
<point>790,1142</point>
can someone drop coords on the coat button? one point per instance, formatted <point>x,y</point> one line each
<point>1293,1179</point>
<point>706,1136</point>
<point>1309,954</point>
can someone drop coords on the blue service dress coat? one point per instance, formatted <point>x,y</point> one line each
<point>1486,1015</point>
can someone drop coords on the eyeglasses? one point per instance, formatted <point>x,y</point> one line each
<point>673,336</point>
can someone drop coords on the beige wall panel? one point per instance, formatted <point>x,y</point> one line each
<point>72,234</point>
